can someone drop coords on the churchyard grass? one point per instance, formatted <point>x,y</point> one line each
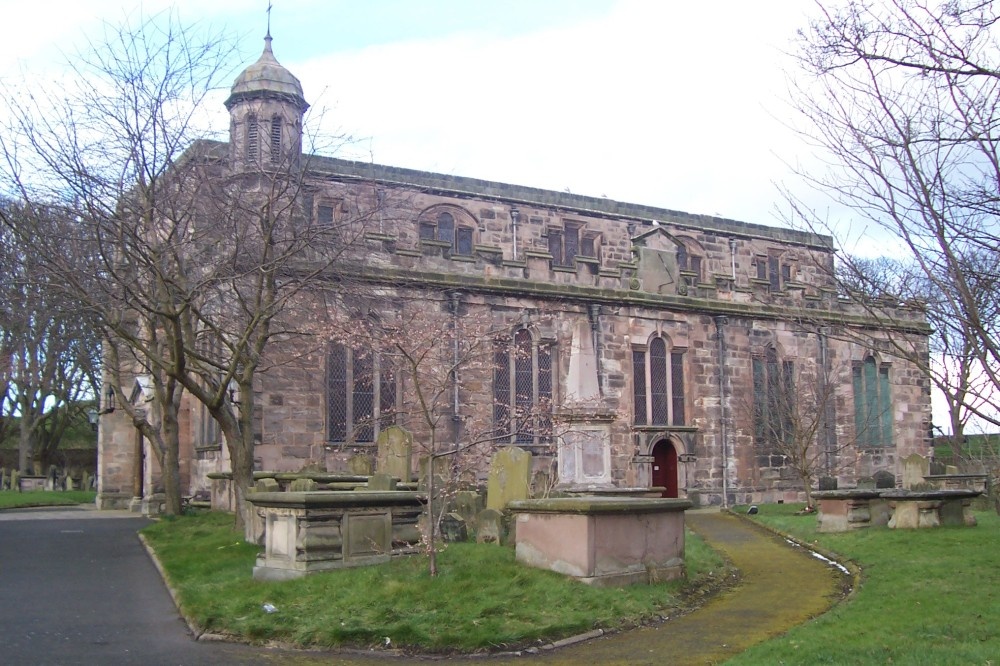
<point>481,600</point>
<point>11,499</point>
<point>929,596</point>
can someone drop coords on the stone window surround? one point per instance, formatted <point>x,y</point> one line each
<point>672,406</point>
<point>543,362</point>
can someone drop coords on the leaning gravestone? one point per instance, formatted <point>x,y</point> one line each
<point>509,479</point>
<point>395,448</point>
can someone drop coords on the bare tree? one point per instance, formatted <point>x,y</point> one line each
<point>901,99</point>
<point>200,248</point>
<point>50,351</point>
<point>443,347</point>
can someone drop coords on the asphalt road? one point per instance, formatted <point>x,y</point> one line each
<point>76,587</point>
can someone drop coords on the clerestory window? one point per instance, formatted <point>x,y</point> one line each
<point>444,228</point>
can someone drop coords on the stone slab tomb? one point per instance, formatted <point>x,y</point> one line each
<point>604,541</point>
<point>306,532</point>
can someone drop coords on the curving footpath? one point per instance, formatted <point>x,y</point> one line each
<point>780,587</point>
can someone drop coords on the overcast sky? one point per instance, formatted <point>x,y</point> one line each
<point>672,104</point>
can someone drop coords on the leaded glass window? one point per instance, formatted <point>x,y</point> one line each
<point>522,389</point>
<point>872,403</point>
<point>658,384</point>
<point>362,389</point>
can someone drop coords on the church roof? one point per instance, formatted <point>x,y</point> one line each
<point>267,77</point>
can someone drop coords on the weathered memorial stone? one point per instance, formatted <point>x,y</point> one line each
<point>454,528</point>
<point>381,482</point>
<point>268,485</point>
<point>866,483</point>
<point>395,448</point>
<point>509,478</point>
<point>915,468</point>
<point>442,472</point>
<point>828,483</point>
<point>360,465</point>
<point>489,526</point>
<point>468,504</point>
<point>885,479</point>
<point>303,486</point>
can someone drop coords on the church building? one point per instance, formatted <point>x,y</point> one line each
<point>624,346</point>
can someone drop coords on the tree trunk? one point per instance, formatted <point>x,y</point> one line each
<point>25,446</point>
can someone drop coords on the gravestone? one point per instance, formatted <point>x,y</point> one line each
<point>885,479</point>
<point>268,485</point>
<point>303,486</point>
<point>360,465</point>
<point>454,528</point>
<point>15,480</point>
<point>442,473</point>
<point>381,482</point>
<point>395,448</point>
<point>509,478</point>
<point>468,504</point>
<point>915,468</point>
<point>489,526</point>
<point>827,483</point>
<point>866,483</point>
<point>937,467</point>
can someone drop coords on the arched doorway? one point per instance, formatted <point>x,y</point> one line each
<point>665,467</point>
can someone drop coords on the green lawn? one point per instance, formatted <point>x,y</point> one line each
<point>11,499</point>
<point>928,597</point>
<point>481,600</point>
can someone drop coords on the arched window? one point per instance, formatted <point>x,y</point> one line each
<point>444,228</point>
<point>774,404</point>
<point>361,395</point>
<point>658,384</point>
<point>522,389</point>
<point>872,403</point>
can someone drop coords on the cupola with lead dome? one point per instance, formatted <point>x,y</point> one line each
<point>266,107</point>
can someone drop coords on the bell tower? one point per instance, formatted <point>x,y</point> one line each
<point>266,106</point>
